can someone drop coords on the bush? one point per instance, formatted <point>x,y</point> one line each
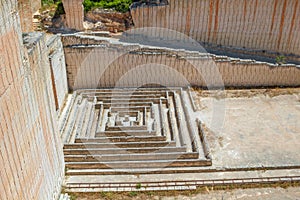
<point>47,2</point>
<point>60,8</point>
<point>88,5</point>
<point>57,4</point>
<point>118,5</point>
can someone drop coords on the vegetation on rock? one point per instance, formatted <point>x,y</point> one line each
<point>281,59</point>
<point>54,5</point>
<point>118,5</point>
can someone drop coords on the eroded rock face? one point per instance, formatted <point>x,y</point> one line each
<point>108,20</point>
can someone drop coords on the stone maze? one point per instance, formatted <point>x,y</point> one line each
<point>116,138</point>
<point>113,131</point>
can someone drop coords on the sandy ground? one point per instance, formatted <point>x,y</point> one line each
<point>291,193</point>
<point>247,194</point>
<point>252,128</point>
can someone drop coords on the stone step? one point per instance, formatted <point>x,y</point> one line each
<point>126,128</point>
<point>79,122</point>
<point>91,188</point>
<point>64,115</point>
<point>64,197</point>
<point>120,145</point>
<point>124,92</point>
<point>142,171</point>
<point>138,164</point>
<point>70,123</point>
<point>88,117</point>
<point>124,133</point>
<point>129,157</point>
<point>125,105</point>
<point>126,96</point>
<point>134,100</point>
<point>93,151</point>
<point>90,123</point>
<point>121,139</point>
<point>94,124</point>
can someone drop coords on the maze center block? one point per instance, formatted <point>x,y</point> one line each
<point>129,118</point>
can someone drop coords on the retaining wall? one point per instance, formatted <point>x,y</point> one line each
<point>104,64</point>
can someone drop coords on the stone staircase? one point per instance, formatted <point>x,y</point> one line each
<point>64,197</point>
<point>131,131</point>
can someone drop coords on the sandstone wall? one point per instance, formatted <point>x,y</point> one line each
<point>74,14</point>
<point>269,25</point>
<point>105,64</point>
<point>27,8</point>
<point>31,156</point>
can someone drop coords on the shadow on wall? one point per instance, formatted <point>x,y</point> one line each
<point>141,3</point>
<point>161,37</point>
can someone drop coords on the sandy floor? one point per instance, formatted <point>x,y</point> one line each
<point>259,128</point>
<point>247,194</point>
<point>291,193</point>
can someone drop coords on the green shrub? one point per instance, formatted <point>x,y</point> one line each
<point>53,4</point>
<point>60,8</point>
<point>47,2</point>
<point>118,5</point>
<point>88,5</point>
<point>281,59</point>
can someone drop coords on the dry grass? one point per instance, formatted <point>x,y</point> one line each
<point>158,194</point>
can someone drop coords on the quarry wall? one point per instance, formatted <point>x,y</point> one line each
<point>272,25</point>
<point>31,156</point>
<point>96,63</point>
<point>74,14</point>
<point>26,9</point>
